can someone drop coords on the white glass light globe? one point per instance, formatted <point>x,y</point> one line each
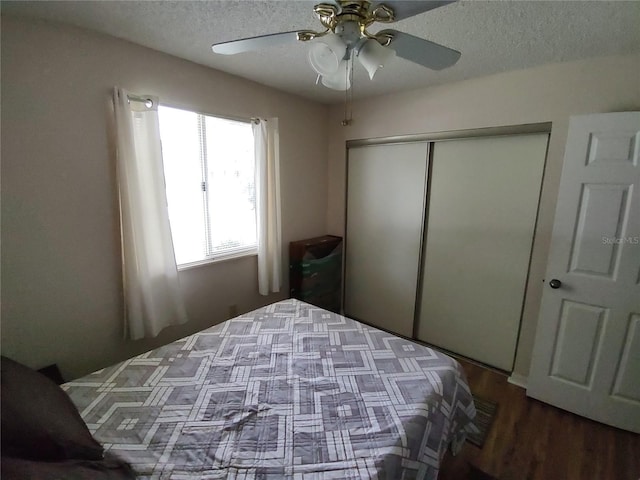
<point>341,80</point>
<point>326,54</point>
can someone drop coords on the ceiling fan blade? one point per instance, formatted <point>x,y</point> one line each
<point>421,51</point>
<point>408,8</point>
<point>254,43</point>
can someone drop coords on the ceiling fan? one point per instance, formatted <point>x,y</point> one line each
<point>346,35</point>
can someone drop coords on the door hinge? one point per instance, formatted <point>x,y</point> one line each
<point>203,186</point>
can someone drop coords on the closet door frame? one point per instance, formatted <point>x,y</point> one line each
<point>430,139</point>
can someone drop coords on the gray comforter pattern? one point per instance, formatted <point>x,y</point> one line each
<point>287,391</point>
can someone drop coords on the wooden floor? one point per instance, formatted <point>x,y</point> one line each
<point>530,440</point>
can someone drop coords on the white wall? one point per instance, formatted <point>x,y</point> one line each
<point>61,288</point>
<point>545,94</point>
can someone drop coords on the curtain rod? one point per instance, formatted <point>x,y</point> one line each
<point>149,103</point>
<point>136,98</point>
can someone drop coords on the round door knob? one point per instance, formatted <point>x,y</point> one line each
<point>555,283</point>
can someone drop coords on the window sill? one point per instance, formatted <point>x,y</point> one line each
<point>219,258</point>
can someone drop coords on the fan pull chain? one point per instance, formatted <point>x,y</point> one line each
<point>348,94</point>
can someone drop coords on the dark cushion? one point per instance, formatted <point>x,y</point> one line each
<point>110,468</point>
<point>38,420</point>
<point>52,372</point>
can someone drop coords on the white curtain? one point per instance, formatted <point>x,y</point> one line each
<point>152,295</point>
<point>268,205</point>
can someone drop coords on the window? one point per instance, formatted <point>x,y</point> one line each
<point>209,169</point>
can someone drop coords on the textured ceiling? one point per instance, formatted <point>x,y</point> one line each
<point>493,36</point>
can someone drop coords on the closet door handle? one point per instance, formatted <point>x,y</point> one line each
<point>555,283</point>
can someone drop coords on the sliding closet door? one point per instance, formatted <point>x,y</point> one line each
<point>385,213</point>
<point>482,209</point>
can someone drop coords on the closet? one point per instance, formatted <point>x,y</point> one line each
<point>439,234</point>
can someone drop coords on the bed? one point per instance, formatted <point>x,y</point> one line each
<point>286,391</point>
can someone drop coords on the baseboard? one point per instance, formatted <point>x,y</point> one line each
<point>518,380</point>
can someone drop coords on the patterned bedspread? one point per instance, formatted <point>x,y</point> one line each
<point>287,391</point>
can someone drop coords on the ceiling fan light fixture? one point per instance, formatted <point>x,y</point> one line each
<point>347,35</point>
<point>341,80</point>
<point>373,56</point>
<point>327,54</point>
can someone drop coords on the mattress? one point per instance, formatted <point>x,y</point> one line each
<point>286,391</point>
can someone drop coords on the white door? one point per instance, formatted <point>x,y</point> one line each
<point>385,212</point>
<point>483,201</point>
<point>586,357</point>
